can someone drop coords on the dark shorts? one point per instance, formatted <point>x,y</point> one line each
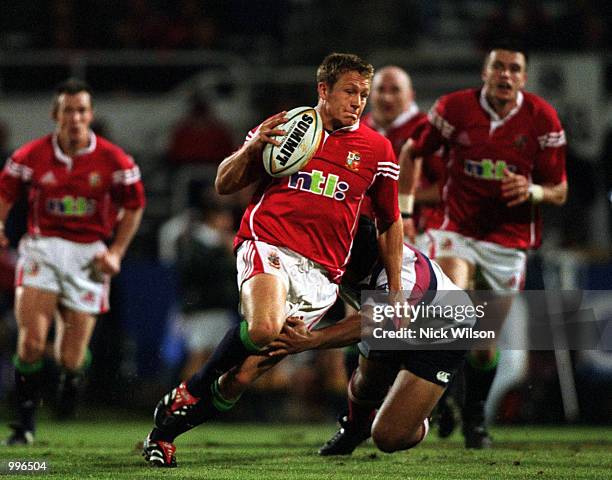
<point>435,366</point>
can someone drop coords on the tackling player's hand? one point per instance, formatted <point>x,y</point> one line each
<point>409,229</point>
<point>294,338</point>
<point>268,132</point>
<point>107,262</point>
<point>514,188</point>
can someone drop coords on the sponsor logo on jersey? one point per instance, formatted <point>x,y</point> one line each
<point>353,159</point>
<point>486,169</point>
<point>443,377</point>
<point>70,206</point>
<point>315,182</point>
<point>48,179</point>
<point>274,260</point>
<point>95,179</point>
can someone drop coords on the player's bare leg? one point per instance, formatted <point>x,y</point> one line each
<point>34,311</point>
<point>402,420</point>
<point>199,399</point>
<point>234,383</point>
<point>366,391</point>
<point>73,331</point>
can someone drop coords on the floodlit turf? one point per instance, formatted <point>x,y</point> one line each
<point>111,450</point>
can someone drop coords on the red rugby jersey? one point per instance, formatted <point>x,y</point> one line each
<point>76,198</point>
<point>529,141</point>
<point>315,211</point>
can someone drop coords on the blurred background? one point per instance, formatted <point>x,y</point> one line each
<point>179,83</point>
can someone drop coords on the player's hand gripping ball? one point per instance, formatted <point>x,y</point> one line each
<point>304,132</point>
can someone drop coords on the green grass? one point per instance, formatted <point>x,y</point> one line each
<point>111,450</point>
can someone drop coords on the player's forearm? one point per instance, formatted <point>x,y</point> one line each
<point>239,170</point>
<point>125,231</point>
<point>429,195</point>
<point>390,247</point>
<point>345,332</point>
<point>554,194</point>
<point>410,169</point>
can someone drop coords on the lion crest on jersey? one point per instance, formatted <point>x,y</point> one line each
<point>94,179</point>
<point>353,159</point>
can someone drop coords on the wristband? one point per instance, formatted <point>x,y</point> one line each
<point>406,203</point>
<point>536,193</point>
<point>406,215</point>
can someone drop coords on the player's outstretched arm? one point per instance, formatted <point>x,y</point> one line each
<point>296,338</point>
<point>245,166</point>
<point>391,249</point>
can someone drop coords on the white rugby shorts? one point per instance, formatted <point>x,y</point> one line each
<point>310,293</point>
<point>503,268</point>
<point>65,268</point>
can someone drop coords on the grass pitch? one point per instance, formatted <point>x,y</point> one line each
<point>111,450</point>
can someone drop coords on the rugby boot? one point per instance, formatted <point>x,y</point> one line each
<point>346,439</point>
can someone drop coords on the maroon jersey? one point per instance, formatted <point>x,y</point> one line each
<point>408,125</point>
<point>75,198</point>
<point>315,211</point>
<point>529,141</point>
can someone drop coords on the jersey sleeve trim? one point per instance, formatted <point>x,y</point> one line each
<point>552,140</point>
<point>388,169</point>
<point>126,177</point>
<point>18,170</point>
<point>445,128</point>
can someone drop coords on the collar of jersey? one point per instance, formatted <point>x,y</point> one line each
<point>62,157</point>
<point>405,116</point>
<point>496,121</point>
<point>350,128</point>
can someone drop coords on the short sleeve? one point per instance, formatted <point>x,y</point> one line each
<point>128,189</point>
<point>384,191</point>
<point>549,165</point>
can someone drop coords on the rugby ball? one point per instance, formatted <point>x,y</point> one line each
<point>304,132</point>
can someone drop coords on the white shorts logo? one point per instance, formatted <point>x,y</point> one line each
<point>443,376</point>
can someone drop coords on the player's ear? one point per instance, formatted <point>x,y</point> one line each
<point>323,90</point>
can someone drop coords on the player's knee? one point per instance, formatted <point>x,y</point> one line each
<point>391,440</point>
<point>32,349</point>
<point>262,333</point>
<point>71,360</point>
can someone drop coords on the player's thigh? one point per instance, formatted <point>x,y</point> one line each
<point>373,377</point>
<point>233,383</point>
<point>459,270</point>
<point>409,401</point>
<point>262,299</point>
<point>73,333</point>
<point>34,310</point>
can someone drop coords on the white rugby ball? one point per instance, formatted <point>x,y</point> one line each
<point>304,132</point>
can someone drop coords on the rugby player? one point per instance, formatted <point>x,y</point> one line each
<point>294,241</point>
<point>81,189</point>
<point>506,156</point>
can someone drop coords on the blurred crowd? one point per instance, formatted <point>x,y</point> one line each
<point>234,24</point>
